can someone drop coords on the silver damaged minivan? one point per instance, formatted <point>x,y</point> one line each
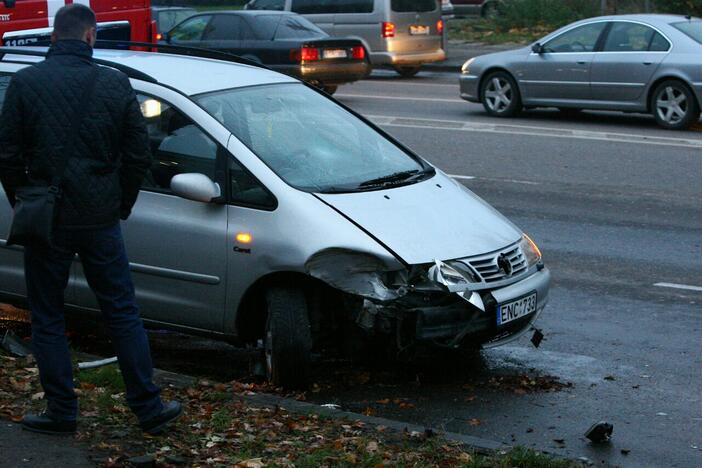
<point>274,215</point>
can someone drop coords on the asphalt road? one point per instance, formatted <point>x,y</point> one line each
<point>615,204</point>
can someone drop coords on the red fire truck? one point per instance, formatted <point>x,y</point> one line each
<point>23,22</point>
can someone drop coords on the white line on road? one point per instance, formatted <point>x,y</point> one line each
<point>528,130</point>
<point>686,287</point>
<point>461,177</point>
<point>514,181</point>
<point>401,83</point>
<point>399,98</point>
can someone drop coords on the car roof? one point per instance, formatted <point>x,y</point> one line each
<point>250,12</point>
<point>646,18</point>
<point>180,71</point>
<point>193,75</point>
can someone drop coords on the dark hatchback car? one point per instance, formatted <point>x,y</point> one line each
<point>285,42</point>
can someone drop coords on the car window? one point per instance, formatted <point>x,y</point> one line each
<point>227,28</point>
<point>691,28</point>
<point>266,25</point>
<point>628,37</point>
<point>581,39</point>
<point>246,190</point>
<point>177,144</point>
<point>659,43</point>
<point>309,141</point>
<point>308,7</point>
<point>413,5</point>
<point>169,18</point>
<point>190,30</point>
<point>296,27</point>
<point>4,83</point>
<point>278,5</point>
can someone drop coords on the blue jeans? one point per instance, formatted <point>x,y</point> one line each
<point>106,267</point>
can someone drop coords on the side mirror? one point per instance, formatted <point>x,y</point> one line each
<point>197,187</point>
<point>9,3</point>
<point>537,48</point>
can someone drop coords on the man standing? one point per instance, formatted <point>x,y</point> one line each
<point>102,162</point>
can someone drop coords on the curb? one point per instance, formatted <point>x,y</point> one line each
<point>477,444</point>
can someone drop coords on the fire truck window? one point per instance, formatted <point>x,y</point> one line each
<point>4,83</point>
<point>190,30</point>
<point>177,144</point>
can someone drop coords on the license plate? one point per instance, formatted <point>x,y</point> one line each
<point>417,30</point>
<point>516,309</point>
<point>334,53</point>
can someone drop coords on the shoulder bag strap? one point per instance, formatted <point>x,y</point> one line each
<point>76,121</point>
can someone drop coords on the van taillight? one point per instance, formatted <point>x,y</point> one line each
<point>305,54</point>
<point>358,53</point>
<point>388,29</point>
<point>440,26</point>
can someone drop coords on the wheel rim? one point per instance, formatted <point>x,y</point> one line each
<point>498,94</point>
<point>672,105</point>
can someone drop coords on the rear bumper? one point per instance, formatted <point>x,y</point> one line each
<point>331,73</point>
<point>407,59</point>
<point>469,87</point>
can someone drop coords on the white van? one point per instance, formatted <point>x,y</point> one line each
<point>402,34</point>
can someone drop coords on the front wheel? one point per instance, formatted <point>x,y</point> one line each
<point>674,106</point>
<point>407,72</point>
<point>500,95</point>
<point>288,338</point>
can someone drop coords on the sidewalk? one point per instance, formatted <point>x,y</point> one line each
<point>459,52</point>
<point>20,448</point>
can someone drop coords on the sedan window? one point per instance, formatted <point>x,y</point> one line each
<point>630,37</point>
<point>228,28</point>
<point>278,5</point>
<point>309,141</point>
<point>692,29</point>
<point>296,27</point>
<point>177,144</point>
<point>190,30</point>
<point>581,39</point>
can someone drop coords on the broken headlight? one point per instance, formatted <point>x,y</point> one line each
<point>447,276</point>
<point>530,250</point>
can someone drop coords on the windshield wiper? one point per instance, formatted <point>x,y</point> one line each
<point>395,177</point>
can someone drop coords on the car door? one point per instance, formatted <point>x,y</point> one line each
<point>631,54</point>
<point>189,33</point>
<point>225,33</point>
<point>561,72</point>
<point>176,247</point>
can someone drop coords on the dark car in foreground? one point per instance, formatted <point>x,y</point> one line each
<point>285,42</point>
<point>629,63</point>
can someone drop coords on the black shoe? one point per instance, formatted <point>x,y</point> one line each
<point>170,412</point>
<point>45,424</point>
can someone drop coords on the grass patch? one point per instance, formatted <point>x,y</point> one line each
<point>488,31</point>
<point>107,377</point>
<point>221,419</point>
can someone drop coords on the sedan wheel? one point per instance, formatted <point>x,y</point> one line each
<point>500,95</point>
<point>674,106</point>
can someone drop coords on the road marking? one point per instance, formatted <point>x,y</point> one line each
<point>514,181</point>
<point>529,130</point>
<point>400,98</point>
<point>401,83</point>
<point>461,177</point>
<point>686,287</point>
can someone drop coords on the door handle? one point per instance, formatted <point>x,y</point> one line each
<point>582,62</point>
<point>648,63</point>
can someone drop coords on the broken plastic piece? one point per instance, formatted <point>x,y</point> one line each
<point>14,345</point>
<point>537,338</point>
<point>94,364</point>
<point>600,432</point>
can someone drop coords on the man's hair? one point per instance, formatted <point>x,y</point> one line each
<point>72,21</point>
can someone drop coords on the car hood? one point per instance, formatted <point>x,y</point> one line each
<point>438,219</point>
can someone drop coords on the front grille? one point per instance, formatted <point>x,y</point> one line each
<point>490,269</point>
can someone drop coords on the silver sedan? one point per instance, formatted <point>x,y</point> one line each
<point>629,63</point>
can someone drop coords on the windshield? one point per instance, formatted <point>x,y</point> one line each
<point>309,141</point>
<point>692,29</point>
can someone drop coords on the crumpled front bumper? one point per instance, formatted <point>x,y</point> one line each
<point>461,323</point>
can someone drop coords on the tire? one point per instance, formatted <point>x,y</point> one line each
<point>500,95</point>
<point>330,89</point>
<point>407,72</point>
<point>288,338</point>
<point>675,106</point>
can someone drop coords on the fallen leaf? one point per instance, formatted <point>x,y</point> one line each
<point>38,396</point>
<point>384,401</point>
<point>475,422</point>
<point>372,447</point>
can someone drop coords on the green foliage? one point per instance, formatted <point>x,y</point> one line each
<point>683,7</point>
<point>108,377</point>
<point>553,13</point>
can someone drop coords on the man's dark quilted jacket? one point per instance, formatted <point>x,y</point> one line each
<point>111,155</point>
